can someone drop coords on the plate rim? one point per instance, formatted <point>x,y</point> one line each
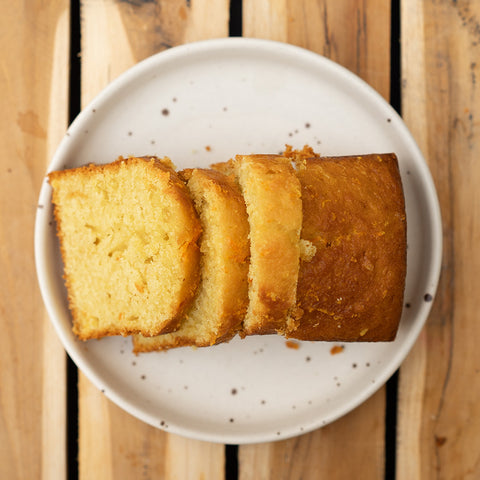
<point>284,49</point>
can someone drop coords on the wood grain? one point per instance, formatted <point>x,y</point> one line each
<point>439,411</point>
<point>356,35</point>
<point>34,84</point>
<point>322,454</point>
<point>115,36</point>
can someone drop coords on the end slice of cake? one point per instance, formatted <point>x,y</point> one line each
<point>273,198</point>
<point>222,298</point>
<point>128,235</point>
<point>354,214</point>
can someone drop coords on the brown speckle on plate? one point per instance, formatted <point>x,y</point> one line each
<point>165,112</point>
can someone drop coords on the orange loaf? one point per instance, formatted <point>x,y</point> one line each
<point>354,214</point>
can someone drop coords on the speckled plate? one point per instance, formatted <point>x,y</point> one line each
<point>202,103</point>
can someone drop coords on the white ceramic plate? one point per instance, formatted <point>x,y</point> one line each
<point>202,103</point>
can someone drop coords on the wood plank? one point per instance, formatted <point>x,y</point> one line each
<point>359,436</point>
<point>356,35</point>
<point>34,42</point>
<point>439,412</point>
<point>351,33</point>
<point>115,36</point>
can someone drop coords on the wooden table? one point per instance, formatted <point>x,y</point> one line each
<point>421,55</point>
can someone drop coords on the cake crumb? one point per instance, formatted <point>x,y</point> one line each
<point>336,349</point>
<point>293,345</point>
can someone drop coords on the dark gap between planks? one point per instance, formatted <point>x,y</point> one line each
<point>235,25</point>
<point>231,462</point>
<point>392,384</point>
<point>74,106</point>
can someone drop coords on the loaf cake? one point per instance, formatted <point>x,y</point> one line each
<point>221,302</point>
<point>129,240</point>
<point>273,198</point>
<point>354,214</point>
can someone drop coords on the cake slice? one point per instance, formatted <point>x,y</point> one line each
<point>273,198</point>
<point>128,235</point>
<point>354,214</point>
<point>222,298</point>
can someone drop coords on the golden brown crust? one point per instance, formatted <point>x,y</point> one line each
<point>227,168</point>
<point>85,324</point>
<point>354,214</point>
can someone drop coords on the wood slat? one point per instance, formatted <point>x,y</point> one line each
<point>358,437</point>
<point>356,35</point>
<point>439,411</point>
<point>352,33</point>
<point>115,36</point>
<point>34,55</point>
